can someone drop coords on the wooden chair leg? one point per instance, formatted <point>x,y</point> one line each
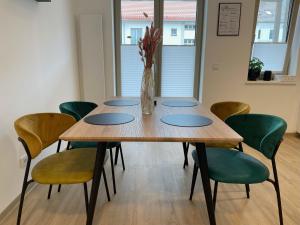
<point>112,170</point>
<point>122,158</point>
<point>248,190</point>
<point>215,194</point>
<point>86,197</point>
<point>195,172</point>
<point>106,186</point>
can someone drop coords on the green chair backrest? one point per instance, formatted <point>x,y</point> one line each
<point>77,109</point>
<point>261,132</point>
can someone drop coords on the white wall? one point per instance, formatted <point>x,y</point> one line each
<point>38,70</point>
<point>231,55</point>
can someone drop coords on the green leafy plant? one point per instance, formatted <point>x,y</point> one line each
<point>256,64</point>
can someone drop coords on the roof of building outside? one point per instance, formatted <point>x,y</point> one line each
<point>174,10</point>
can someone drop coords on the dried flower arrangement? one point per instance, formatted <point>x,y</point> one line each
<point>148,44</point>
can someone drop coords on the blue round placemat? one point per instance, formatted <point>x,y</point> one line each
<point>122,102</point>
<point>186,120</point>
<point>109,119</point>
<point>179,103</point>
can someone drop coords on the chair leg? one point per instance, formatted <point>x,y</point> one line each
<point>195,172</point>
<point>215,194</point>
<point>49,192</point>
<point>24,187</point>
<point>185,152</point>
<point>122,158</point>
<point>112,170</point>
<point>86,197</point>
<point>117,154</point>
<point>106,186</point>
<point>277,189</point>
<point>248,190</point>
<point>59,188</point>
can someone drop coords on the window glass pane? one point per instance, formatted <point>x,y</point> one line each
<point>133,26</point>
<point>272,55</point>
<point>273,21</point>
<point>178,53</point>
<point>271,33</point>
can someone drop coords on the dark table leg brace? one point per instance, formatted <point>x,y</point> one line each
<point>201,153</point>
<point>100,156</point>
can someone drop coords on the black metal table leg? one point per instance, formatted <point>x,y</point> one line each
<point>100,156</point>
<point>201,153</point>
<point>185,152</point>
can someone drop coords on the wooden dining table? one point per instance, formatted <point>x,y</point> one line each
<point>150,128</point>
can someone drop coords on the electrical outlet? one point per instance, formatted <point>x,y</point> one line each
<point>23,161</point>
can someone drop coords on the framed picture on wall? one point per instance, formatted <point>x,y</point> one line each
<point>229,18</point>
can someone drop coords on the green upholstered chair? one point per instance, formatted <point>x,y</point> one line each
<point>223,110</point>
<point>263,133</point>
<point>37,132</point>
<point>79,109</point>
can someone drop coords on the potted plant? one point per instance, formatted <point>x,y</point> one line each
<point>255,67</point>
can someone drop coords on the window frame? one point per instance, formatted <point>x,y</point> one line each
<point>289,38</point>
<point>158,21</point>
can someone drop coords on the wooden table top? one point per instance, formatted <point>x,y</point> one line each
<point>149,128</point>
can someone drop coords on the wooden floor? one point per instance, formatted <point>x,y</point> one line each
<point>154,190</point>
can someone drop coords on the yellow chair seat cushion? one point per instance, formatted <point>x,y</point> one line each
<point>68,167</point>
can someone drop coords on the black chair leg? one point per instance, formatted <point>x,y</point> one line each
<point>24,187</point>
<point>117,154</point>
<point>185,152</point>
<point>277,189</point>
<point>195,172</point>
<point>215,194</point>
<point>248,190</point>
<point>59,188</point>
<point>49,192</point>
<point>122,158</point>
<point>112,170</point>
<point>86,197</point>
<point>106,186</point>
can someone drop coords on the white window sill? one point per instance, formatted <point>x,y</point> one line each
<point>272,82</point>
<point>279,80</point>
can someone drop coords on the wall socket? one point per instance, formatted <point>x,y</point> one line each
<point>23,161</point>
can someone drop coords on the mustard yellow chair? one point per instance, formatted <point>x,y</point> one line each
<point>37,132</point>
<point>223,110</point>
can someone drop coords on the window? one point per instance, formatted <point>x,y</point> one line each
<point>177,65</point>
<point>189,41</point>
<point>189,27</point>
<point>174,32</point>
<point>271,34</point>
<point>274,33</point>
<point>259,34</point>
<point>136,34</point>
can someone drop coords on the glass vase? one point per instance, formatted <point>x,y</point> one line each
<point>147,92</point>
